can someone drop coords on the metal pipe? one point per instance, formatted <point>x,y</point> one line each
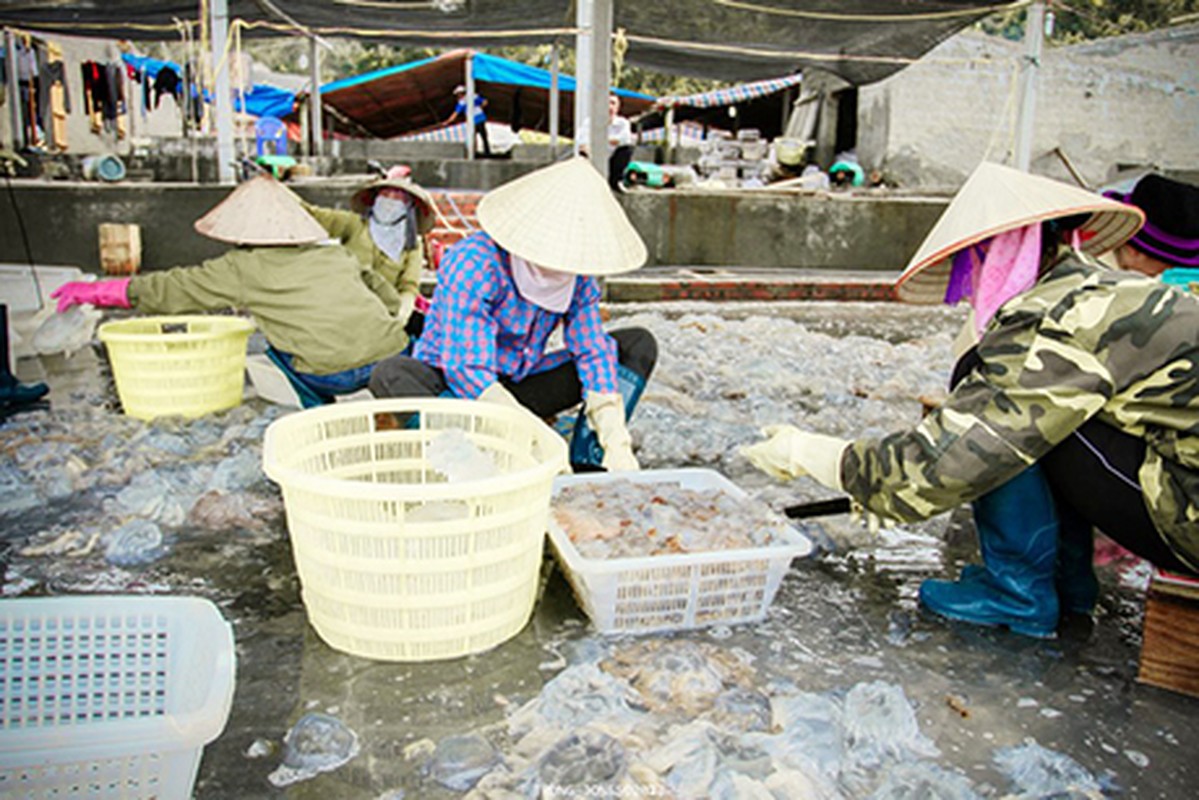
<point>316,126</point>
<point>470,106</point>
<point>223,97</point>
<point>555,99</point>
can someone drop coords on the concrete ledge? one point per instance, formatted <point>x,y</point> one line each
<point>664,284</point>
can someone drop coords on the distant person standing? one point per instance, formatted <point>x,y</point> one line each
<point>620,143</point>
<point>480,116</point>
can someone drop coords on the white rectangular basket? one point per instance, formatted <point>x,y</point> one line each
<point>670,592</point>
<point>110,696</point>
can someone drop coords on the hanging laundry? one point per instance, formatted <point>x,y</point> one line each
<point>58,99</point>
<point>94,92</point>
<point>27,83</point>
<point>167,82</point>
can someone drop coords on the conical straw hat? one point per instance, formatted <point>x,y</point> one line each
<point>563,217</point>
<point>996,199</point>
<point>260,211</point>
<point>396,178</point>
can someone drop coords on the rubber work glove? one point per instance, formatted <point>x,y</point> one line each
<point>605,412</point>
<point>104,294</point>
<point>872,522</point>
<point>496,393</point>
<point>790,453</point>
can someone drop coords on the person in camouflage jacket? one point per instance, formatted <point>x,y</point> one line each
<point>1085,344</point>
<point>1078,407</point>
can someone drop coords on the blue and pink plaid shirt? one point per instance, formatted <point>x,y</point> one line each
<point>480,328</point>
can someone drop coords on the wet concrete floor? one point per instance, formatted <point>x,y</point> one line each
<point>843,617</point>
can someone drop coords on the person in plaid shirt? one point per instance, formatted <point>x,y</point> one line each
<point>502,292</point>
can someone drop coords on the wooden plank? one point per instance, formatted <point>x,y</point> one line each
<point>1170,651</point>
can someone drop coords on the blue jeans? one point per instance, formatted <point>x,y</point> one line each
<point>344,382</point>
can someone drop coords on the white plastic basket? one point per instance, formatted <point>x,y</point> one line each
<point>670,592</point>
<point>380,578</point>
<point>110,696</point>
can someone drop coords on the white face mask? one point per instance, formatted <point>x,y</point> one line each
<point>391,226</point>
<point>389,210</point>
<point>547,288</point>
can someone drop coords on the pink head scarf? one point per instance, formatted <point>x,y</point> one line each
<point>1006,269</point>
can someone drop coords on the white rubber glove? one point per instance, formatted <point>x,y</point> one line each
<point>790,453</point>
<point>605,412</point>
<point>496,393</point>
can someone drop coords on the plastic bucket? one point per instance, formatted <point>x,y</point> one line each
<point>107,168</point>
<point>185,365</point>
<point>789,152</point>
<point>395,562</point>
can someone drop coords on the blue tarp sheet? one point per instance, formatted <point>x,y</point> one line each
<point>486,68</point>
<point>261,101</point>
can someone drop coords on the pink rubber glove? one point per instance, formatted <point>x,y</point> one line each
<point>105,294</point>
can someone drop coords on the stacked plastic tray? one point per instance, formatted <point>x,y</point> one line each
<point>110,697</point>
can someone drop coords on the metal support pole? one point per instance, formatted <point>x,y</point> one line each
<point>668,123</point>
<point>595,81</point>
<point>316,125</point>
<point>1034,36</point>
<point>14,90</point>
<point>223,99</point>
<point>470,106</point>
<point>583,19</point>
<point>555,100</point>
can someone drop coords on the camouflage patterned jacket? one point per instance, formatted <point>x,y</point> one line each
<point>1084,342</point>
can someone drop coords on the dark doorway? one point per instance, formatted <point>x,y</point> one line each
<point>847,120</point>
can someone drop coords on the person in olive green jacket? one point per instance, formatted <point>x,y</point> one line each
<point>384,228</point>
<point>327,315</point>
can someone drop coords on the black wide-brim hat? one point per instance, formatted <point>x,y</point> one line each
<point>1171,230</point>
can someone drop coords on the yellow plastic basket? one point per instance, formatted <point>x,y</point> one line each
<point>395,562</point>
<point>186,365</point>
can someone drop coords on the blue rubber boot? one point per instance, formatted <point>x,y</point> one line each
<point>1077,586</point>
<point>14,395</point>
<point>585,451</point>
<point>1018,535</point>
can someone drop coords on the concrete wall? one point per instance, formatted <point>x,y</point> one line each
<point>709,229</point>
<point>781,231</point>
<point>1131,100</point>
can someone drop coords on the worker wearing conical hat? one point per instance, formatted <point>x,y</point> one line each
<point>328,316</point>
<point>388,216</point>
<point>1078,408</point>
<point>502,292</point>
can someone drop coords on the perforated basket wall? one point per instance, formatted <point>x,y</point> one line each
<point>185,365</point>
<point>395,562</point>
<point>673,592</point>
<point>110,697</point>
